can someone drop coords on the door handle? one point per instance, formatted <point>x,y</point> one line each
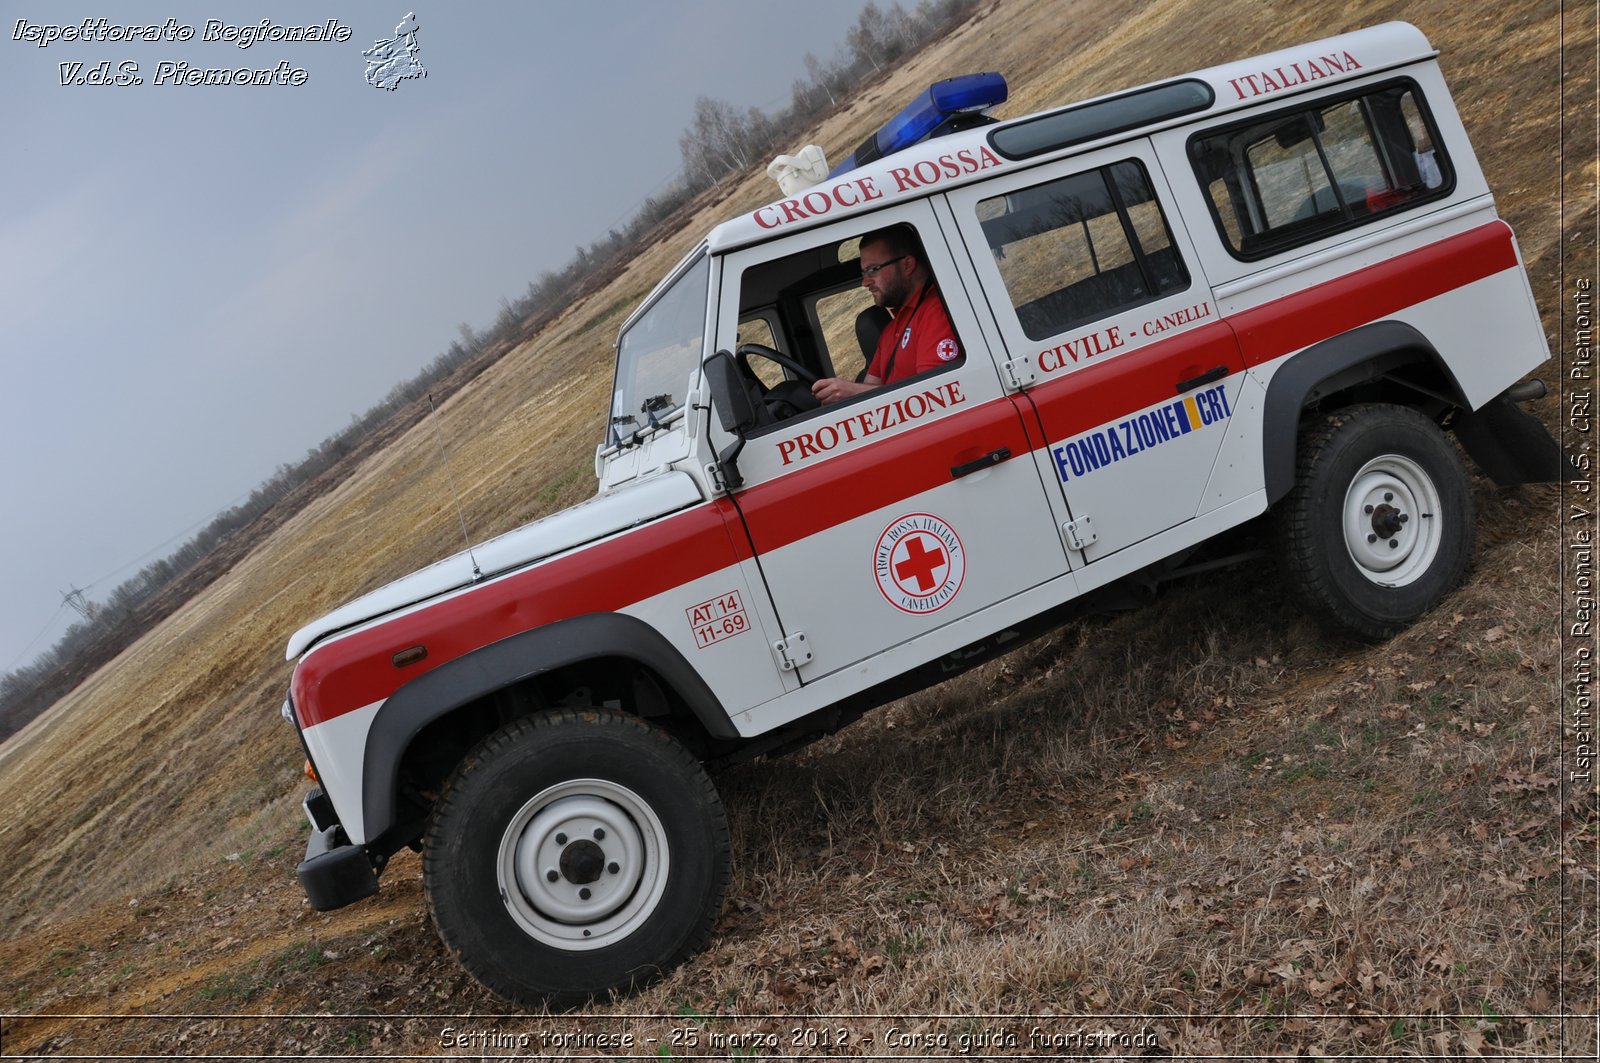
<point>1214,373</point>
<point>994,457</point>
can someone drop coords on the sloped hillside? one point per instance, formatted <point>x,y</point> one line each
<point>1205,824</point>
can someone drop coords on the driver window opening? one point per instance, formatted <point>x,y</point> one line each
<point>813,316</point>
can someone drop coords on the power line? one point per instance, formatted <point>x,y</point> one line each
<point>48,624</point>
<point>169,541</point>
<point>75,599</point>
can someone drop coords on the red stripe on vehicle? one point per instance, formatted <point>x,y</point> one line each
<point>1098,394</point>
<point>356,670</point>
<point>1295,321</point>
<point>812,499</point>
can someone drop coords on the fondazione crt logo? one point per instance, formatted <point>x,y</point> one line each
<point>388,62</point>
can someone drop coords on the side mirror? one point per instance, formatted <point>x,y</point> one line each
<point>735,409</point>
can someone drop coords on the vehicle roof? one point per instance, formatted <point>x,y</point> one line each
<point>961,158</point>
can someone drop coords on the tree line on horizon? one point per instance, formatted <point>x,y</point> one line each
<point>721,141</point>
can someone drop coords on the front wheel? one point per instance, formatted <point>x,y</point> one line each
<point>575,854</point>
<point>1379,526</point>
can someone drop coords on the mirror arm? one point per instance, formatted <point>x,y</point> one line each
<point>735,411</point>
<point>728,465</point>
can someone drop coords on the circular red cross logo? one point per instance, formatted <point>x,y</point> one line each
<point>919,563</point>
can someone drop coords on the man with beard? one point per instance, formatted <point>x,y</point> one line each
<point>919,337</point>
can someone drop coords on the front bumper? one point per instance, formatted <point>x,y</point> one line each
<point>335,872</point>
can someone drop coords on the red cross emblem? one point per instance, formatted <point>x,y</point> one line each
<point>919,563</point>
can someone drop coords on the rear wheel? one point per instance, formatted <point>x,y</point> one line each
<point>575,854</point>
<point>1379,525</point>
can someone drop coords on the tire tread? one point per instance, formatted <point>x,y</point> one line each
<point>1302,517</point>
<point>439,859</point>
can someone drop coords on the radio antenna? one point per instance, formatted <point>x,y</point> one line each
<point>444,453</point>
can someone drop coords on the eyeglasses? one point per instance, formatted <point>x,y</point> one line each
<point>872,271</point>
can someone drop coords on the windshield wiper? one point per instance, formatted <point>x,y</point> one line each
<point>616,436</point>
<point>658,409</point>
<point>656,404</point>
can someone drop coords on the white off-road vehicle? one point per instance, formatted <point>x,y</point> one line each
<point>1278,285</point>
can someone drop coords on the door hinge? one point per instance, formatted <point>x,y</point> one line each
<point>1020,372</point>
<point>714,477</point>
<point>1080,533</point>
<point>792,652</point>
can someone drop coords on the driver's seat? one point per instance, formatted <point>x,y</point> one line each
<point>870,324</point>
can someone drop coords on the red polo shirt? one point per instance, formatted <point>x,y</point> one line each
<point>919,338</point>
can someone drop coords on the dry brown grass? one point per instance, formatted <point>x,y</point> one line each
<point>1203,820</point>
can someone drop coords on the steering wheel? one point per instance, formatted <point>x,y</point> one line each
<point>761,350</point>
<point>783,400</point>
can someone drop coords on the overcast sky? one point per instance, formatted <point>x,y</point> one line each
<point>199,283</point>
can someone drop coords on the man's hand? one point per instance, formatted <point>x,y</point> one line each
<point>832,388</point>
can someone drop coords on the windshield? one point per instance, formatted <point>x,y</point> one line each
<point>658,355</point>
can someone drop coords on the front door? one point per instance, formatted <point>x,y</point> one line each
<point>884,518</point>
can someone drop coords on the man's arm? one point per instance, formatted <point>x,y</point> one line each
<point>833,388</point>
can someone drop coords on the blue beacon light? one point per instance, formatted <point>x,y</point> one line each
<point>948,105</point>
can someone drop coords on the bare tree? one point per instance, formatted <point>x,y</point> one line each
<point>720,140</point>
<point>868,38</point>
<point>827,77</point>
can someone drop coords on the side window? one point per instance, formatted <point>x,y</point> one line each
<point>836,318</point>
<point>759,330</point>
<point>1080,247</point>
<point>1302,174</point>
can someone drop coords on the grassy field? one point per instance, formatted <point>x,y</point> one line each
<point>1206,822</point>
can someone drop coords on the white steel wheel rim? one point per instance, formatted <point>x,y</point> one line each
<point>1392,519</point>
<point>583,864</point>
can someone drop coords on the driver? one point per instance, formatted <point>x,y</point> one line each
<point>919,337</point>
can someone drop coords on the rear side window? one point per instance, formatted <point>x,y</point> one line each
<point>1302,174</point>
<point>1075,249</point>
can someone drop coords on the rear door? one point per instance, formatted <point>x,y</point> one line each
<point>1112,334</point>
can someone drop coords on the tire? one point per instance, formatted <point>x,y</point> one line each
<point>622,816</point>
<point>1379,526</point>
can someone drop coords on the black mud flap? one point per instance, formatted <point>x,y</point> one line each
<point>1509,444</point>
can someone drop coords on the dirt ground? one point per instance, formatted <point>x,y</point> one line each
<point>1204,826</point>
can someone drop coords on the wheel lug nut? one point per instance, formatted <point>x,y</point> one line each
<point>561,839</point>
<point>1372,538</point>
<point>1369,509</point>
<point>614,867</point>
<point>1404,517</point>
<point>1393,543</point>
<point>552,875</point>
<point>1388,496</point>
<point>599,835</point>
<point>583,894</point>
